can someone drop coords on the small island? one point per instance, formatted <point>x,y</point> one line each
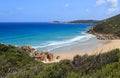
<point>56,22</point>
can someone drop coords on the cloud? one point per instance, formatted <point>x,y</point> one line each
<point>100,2</point>
<point>112,5</point>
<point>66,5</point>
<point>111,10</point>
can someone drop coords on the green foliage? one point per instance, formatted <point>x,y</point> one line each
<point>110,71</point>
<point>15,63</point>
<point>85,21</point>
<point>109,26</point>
<point>55,71</point>
<point>13,60</point>
<point>74,75</point>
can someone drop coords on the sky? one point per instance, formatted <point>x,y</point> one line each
<point>57,10</point>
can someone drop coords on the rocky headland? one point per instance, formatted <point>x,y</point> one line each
<point>108,29</point>
<point>103,36</point>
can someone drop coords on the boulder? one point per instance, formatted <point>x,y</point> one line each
<point>58,57</point>
<point>42,57</point>
<point>28,48</point>
<point>50,56</point>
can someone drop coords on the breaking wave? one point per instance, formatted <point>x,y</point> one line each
<point>51,45</point>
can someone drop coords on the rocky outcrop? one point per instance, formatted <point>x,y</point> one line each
<point>40,55</point>
<point>28,48</point>
<point>107,36</point>
<point>45,56</point>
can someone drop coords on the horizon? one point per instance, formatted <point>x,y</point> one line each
<point>63,11</point>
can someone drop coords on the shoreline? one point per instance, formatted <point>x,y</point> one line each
<point>106,47</point>
<point>89,45</point>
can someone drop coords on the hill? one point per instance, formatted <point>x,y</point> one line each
<point>16,63</point>
<point>110,26</point>
<point>85,21</point>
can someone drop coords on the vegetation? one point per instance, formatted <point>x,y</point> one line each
<point>15,63</point>
<point>109,26</point>
<point>56,22</point>
<point>85,21</point>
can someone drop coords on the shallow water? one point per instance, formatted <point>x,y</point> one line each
<point>43,36</point>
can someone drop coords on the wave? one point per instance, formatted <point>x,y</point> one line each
<point>57,44</point>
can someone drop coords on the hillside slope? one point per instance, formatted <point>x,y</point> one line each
<point>108,26</point>
<point>85,21</point>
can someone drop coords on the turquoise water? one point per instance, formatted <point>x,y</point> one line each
<point>43,36</point>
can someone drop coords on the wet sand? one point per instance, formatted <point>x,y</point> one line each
<point>80,46</point>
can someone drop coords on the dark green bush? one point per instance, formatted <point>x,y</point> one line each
<point>15,63</point>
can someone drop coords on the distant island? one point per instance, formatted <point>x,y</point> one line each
<point>55,22</point>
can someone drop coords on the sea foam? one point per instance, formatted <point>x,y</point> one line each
<point>57,44</point>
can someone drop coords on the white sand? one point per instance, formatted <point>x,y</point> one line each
<point>106,47</point>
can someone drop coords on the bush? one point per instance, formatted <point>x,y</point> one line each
<point>15,63</point>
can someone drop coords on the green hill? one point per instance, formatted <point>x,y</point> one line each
<point>109,26</point>
<point>15,63</point>
<point>85,21</point>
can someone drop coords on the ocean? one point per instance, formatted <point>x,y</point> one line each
<point>44,36</point>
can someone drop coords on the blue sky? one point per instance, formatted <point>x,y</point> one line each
<point>61,10</point>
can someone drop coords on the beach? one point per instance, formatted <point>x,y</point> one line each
<point>107,45</point>
<point>85,46</point>
<point>64,40</point>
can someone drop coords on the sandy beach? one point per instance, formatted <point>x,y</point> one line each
<point>107,45</point>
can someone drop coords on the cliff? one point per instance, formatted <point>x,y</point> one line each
<point>109,29</point>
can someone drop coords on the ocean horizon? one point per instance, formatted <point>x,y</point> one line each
<point>44,36</point>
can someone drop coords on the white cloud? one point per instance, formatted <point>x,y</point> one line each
<point>66,5</point>
<point>100,2</point>
<point>111,10</point>
<point>112,5</point>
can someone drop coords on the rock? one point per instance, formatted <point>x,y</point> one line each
<point>42,57</point>
<point>28,48</point>
<point>39,56</point>
<point>58,57</point>
<point>50,56</point>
